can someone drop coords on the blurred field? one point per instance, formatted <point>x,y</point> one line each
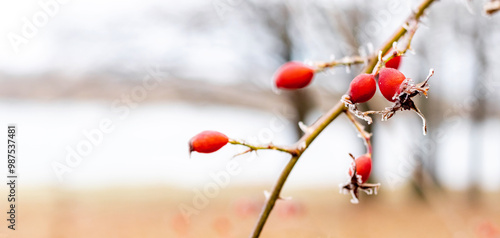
<point>154,212</point>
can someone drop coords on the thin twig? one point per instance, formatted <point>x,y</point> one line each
<point>262,147</point>
<point>411,27</point>
<point>347,61</point>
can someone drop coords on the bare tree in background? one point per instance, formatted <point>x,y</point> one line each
<point>478,112</point>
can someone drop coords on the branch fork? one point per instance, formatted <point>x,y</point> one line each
<point>316,128</point>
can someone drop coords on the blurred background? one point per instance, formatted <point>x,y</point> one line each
<point>106,95</point>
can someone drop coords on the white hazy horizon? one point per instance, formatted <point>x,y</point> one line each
<point>149,147</point>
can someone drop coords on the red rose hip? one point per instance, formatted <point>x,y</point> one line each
<point>293,75</point>
<point>363,167</point>
<point>394,62</point>
<point>362,88</point>
<point>207,142</point>
<point>389,82</point>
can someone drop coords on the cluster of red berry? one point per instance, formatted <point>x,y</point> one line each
<point>393,85</point>
<point>296,75</point>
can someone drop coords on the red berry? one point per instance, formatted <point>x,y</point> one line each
<point>389,82</point>
<point>293,75</point>
<point>362,88</point>
<point>363,167</point>
<point>207,142</point>
<point>394,62</point>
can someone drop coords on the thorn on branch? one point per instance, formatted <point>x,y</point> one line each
<point>267,195</point>
<point>242,153</point>
<point>395,46</point>
<point>301,146</point>
<point>303,127</point>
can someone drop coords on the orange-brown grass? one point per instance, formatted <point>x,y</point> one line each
<point>154,212</point>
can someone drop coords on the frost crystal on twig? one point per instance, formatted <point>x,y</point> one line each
<point>354,109</point>
<point>403,100</point>
<point>355,184</point>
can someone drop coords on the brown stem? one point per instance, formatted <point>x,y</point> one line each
<point>300,146</point>
<point>262,147</point>
<point>348,61</point>
<point>275,195</point>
